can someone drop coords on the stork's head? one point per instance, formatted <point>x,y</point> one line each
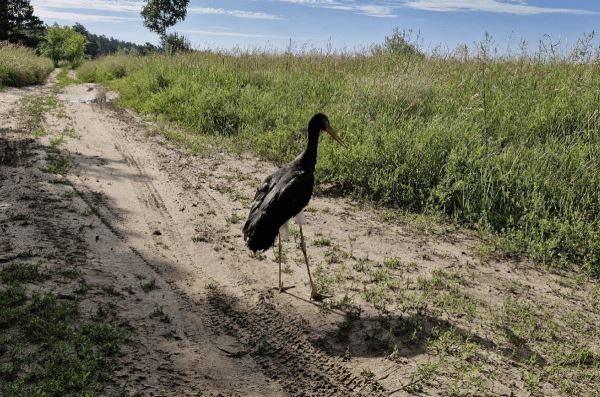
<point>319,122</point>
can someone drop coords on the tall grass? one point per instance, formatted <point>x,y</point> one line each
<point>20,66</point>
<point>512,146</point>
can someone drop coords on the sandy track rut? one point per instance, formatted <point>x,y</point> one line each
<point>150,197</point>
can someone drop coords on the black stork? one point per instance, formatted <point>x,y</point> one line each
<point>283,195</point>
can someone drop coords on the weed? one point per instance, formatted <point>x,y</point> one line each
<point>370,379</point>
<point>59,166</point>
<point>82,287</point>
<point>379,296</point>
<point>200,239</point>
<point>56,142</point>
<point>335,254</point>
<point>64,79</point>
<point>345,326</point>
<point>379,276</point>
<point>159,314</point>
<point>150,285</point>
<point>70,273</point>
<point>20,218</point>
<point>322,241</point>
<point>32,111</point>
<point>233,219</point>
<point>70,132</point>
<point>392,263</point>
<point>110,290</point>
<point>22,272</point>
<point>38,132</point>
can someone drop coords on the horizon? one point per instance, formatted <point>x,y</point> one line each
<point>339,25</point>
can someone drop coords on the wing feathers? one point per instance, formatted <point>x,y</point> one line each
<point>280,197</point>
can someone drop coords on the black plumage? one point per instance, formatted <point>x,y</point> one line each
<point>283,195</point>
<point>286,192</point>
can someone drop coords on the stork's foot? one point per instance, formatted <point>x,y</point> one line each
<point>283,289</point>
<point>317,296</point>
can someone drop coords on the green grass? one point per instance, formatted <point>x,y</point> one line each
<point>509,146</point>
<point>32,112</point>
<point>63,79</point>
<point>47,348</point>
<point>20,66</point>
<point>59,165</point>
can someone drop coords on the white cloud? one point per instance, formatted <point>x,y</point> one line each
<point>102,5</point>
<point>232,13</point>
<point>388,8</point>
<point>519,7</point>
<point>136,6</point>
<point>229,34</point>
<point>375,9</point>
<point>46,14</point>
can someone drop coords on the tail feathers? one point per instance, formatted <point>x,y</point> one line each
<point>260,232</point>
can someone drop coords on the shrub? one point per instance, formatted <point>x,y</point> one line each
<point>20,66</point>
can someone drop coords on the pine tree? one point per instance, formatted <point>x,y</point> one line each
<point>18,24</point>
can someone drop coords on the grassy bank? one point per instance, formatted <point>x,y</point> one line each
<point>508,146</point>
<point>20,66</point>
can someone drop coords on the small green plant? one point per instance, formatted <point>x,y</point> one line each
<point>370,379</point>
<point>200,239</point>
<point>234,218</point>
<point>22,272</point>
<point>56,142</point>
<point>20,218</point>
<point>70,273</point>
<point>322,241</point>
<point>392,263</point>
<point>159,314</point>
<point>59,166</point>
<point>345,327</point>
<point>150,285</point>
<point>70,132</point>
<point>335,254</point>
<point>64,79</point>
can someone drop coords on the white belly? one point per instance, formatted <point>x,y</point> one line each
<point>284,230</point>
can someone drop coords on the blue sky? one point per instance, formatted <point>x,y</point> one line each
<point>349,24</point>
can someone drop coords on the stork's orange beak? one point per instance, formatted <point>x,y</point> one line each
<point>334,135</point>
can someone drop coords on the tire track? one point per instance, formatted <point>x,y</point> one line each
<point>279,345</point>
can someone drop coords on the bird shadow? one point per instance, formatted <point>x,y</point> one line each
<point>396,336</point>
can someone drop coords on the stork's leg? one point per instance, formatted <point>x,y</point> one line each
<point>281,287</point>
<point>279,258</point>
<point>313,292</point>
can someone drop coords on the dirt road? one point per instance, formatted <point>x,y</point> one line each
<point>161,229</point>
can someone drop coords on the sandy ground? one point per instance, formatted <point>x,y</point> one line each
<point>145,210</point>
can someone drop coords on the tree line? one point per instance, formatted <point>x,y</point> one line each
<point>19,25</point>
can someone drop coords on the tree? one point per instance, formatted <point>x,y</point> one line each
<point>64,44</point>
<point>101,45</point>
<point>159,15</point>
<point>173,42</point>
<point>18,24</point>
<point>399,44</point>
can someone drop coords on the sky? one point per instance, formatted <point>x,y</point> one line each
<point>340,24</point>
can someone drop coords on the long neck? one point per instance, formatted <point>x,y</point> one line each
<point>308,159</point>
